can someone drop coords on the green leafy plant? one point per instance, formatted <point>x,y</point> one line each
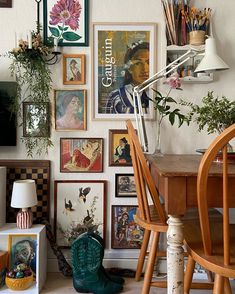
<point>215,114</point>
<point>33,77</point>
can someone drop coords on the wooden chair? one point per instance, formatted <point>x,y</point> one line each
<point>150,214</point>
<point>212,243</point>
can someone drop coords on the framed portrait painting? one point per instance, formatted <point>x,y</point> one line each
<point>22,248</point>
<point>73,69</point>
<point>126,234</point>
<point>36,119</point>
<point>125,185</point>
<point>124,57</point>
<point>119,148</point>
<point>70,110</point>
<point>81,155</point>
<point>66,22</point>
<point>6,3</point>
<point>79,207</point>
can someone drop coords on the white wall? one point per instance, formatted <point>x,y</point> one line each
<point>22,17</point>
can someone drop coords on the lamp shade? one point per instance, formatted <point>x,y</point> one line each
<point>211,61</point>
<point>24,194</point>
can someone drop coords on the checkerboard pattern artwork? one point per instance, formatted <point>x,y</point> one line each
<point>38,170</point>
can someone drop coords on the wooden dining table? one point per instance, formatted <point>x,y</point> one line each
<point>175,177</point>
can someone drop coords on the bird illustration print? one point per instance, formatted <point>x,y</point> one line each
<point>83,193</point>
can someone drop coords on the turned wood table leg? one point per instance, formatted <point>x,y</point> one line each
<point>175,258</point>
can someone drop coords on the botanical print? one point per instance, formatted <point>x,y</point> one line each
<point>125,185</point>
<point>66,21</point>
<point>79,208</point>
<point>119,149</point>
<point>123,58</point>
<point>125,232</point>
<point>81,155</point>
<point>70,110</point>
<point>22,249</point>
<point>73,69</point>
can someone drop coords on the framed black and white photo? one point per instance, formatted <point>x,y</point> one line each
<point>125,185</point>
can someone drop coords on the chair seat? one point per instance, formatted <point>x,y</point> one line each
<point>154,225</point>
<point>194,246</point>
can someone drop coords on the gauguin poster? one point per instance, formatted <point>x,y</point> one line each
<point>114,60</point>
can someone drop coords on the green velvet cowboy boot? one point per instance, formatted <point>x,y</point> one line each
<point>87,256</point>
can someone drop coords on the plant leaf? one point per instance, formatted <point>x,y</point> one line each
<point>71,36</point>
<point>55,32</point>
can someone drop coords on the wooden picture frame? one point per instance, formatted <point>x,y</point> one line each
<point>22,248</point>
<point>125,185</point>
<point>79,207</point>
<point>36,118</point>
<point>119,148</point>
<point>126,234</point>
<point>70,110</point>
<point>5,3</point>
<point>123,56</point>
<point>73,69</point>
<point>81,155</point>
<point>73,31</point>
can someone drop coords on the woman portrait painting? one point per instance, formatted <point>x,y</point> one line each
<point>74,69</point>
<point>70,110</point>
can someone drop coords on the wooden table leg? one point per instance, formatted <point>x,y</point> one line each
<point>175,258</point>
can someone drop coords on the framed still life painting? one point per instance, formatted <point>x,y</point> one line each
<point>79,207</point>
<point>66,22</point>
<point>22,248</point>
<point>81,155</point>
<point>125,185</point>
<point>74,69</point>
<point>123,57</point>
<point>70,110</point>
<point>119,148</point>
<point>126,234</point>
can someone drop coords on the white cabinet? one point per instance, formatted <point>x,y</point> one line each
<point>186,70</point>
<point>39,231</point>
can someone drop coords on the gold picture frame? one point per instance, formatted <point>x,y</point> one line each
<point>74,69</point>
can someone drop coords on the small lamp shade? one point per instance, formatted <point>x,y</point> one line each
<point>24,196</point>
<point>211,61</point>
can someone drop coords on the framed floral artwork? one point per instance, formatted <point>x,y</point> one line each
<point>125,185</point>
<point>79,207</point>
<point>123,57</point>
<point>126,234</point>
<point>74,69</point>
<point>36,119</point>
<point>70,110</point>
<point>66,22</point>
<point>22,248</point>
<point>119,148</point>
<point>6,3</point>
<point>81,155</point>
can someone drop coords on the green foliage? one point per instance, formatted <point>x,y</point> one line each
<point>215,114</point>
<point>163,104</point>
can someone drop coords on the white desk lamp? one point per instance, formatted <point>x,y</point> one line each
<point>24,196</point>
<point>210,62</point>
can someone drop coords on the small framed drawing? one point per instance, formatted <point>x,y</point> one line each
<point>125,185</point>
<point>81,155</point>
<point>119,148</point>
<point>70,110</point>
<point>66,22</point>
<point>126,234</point>
<point>123,57</point>
<point>74,69</point>
<point>6,3</point>
<point>36,119</point>
<point>22,248</point>
<point>79,207</point>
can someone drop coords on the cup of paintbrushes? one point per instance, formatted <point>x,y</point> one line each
<point>197,37</point>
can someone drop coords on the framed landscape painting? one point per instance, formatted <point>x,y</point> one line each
<point>74,69</point>
<point>123,57</point>
<point>81,155</point>
<point>70,110</point>
<point>125,185</point>
<point>126,234</point>
<point>79,207</point>
<point>66,22</point>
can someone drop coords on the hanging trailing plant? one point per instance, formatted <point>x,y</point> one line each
<point>33,77</point>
